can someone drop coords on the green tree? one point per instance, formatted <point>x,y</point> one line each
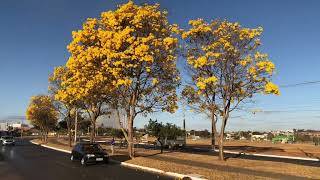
<point>163,131</point>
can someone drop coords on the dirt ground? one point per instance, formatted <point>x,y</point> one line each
<point>264,147</point>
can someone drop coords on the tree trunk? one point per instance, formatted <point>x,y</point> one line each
<point>75,127</point>
<point>161,145</point>
<point>213,132</point>
<point>130,136</point>
<point>69,128</point>
<point>221,155</point>
<point>223,127</point>
<point>120,126</point>
<point>93,128</point>
<point>45,137</point>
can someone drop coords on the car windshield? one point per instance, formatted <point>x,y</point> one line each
<point>7,137</point>
<point>91,148</point>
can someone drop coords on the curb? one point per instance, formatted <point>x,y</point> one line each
<point>153,170</point>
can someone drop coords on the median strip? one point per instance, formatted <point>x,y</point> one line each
<point>153,170</point>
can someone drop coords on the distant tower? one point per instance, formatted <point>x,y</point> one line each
<point>184,121</point>
<point>184,125</point>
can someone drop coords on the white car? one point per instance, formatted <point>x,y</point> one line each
<point>7,140</point>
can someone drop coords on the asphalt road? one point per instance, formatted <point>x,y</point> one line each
<point>26,161</point>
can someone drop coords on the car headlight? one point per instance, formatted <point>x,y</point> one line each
<point>90,155</point>
<point>106,155</point>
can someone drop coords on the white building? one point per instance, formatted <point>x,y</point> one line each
<point>259,137</point>
<point>16,125</point>
<point>4,126</point>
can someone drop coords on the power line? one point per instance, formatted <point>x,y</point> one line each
<point>300,84</point>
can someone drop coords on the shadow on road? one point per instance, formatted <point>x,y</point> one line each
<point>121,158</point>
<point>254,149</point>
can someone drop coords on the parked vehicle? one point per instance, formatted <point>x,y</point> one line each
<point>89,153</point>
<point>178,142</point>
<point>7,140</point>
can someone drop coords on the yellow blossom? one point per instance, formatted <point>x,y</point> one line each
<point>271,88</point>
<point>154,81</point>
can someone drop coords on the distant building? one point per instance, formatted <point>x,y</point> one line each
<point>283,139</point>
<point>4,126</point>
<point>310,133</point>
<point>282,133</point>
<point>243,138</point>
<point>256,136</point>
<point>230,136</point>
<point>20,126</point>
<point>193,137</point>
<point>52,133</point>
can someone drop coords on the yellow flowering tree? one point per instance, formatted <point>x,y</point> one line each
<point>126,59</point>
<point>42,114</point>
<point>87,81</point>
<point>85,87</point>
<point>65,106</point>
<point>226,68</point>
<point>139,48</point>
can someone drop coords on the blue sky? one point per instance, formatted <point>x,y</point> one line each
<point>34,35</point>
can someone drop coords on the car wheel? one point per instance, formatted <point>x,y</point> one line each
<point>83,162</point>
<point>72,158</point>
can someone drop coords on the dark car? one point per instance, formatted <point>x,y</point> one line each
<point>7,140</point>
<point>89,153</point>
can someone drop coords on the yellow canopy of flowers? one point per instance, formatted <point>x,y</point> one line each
<point>203,82</point>
<point>114,50</point>
<point>41,111</point>
<point>271,88</point>
<point>221,44</point>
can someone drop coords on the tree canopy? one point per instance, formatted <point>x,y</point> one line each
<point>225,66</point>
<point>42,114</point>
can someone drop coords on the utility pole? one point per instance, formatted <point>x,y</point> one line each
<point>184,124</point>
<point>76,127</point>
<point>184,127</point>
<point>21,130</point>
